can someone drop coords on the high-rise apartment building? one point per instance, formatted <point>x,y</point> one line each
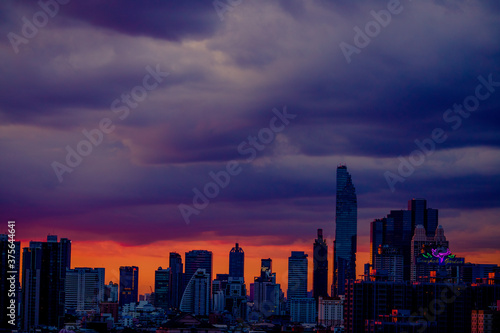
<point>44,277</point>
<point>237,262</point>
<point>129,284</point>
<point>346,224</point>
<point>320,266</point>
<point>297,275</point>
<point>84,289</point>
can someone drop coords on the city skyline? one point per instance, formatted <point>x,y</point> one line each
<point>280,263</point>
<point>224,82</point>
<point>141,129</point>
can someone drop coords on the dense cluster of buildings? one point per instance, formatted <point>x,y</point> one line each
<point>413,283</point>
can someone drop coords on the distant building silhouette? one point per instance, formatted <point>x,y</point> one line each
<point>218,292</point>
<point>297,275</point>
<point>177,279</point>
<point>129,284</point>
<point>346,224</point>
<point>84,289</point>
<point>237,262</point>
<point>163,278</point>
<point>195,260</point>
<point>236,298</point>
<point>303,310</point>
<point>44,277</point>
<point>266,292</point>
<point>320,266</point>
<point>111,292</point>
<point>196,298</point>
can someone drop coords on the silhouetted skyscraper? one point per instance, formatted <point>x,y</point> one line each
<point>320,270</point>
<point>266,292</point>
<point>237,262</point>
<point>196,298</point>
<point>297,275</point>
<point>129,284</point>
<point>421,215</point>
<point>44,277</point>
<point>195,260</point>
<point>346,224</point>
<point>177,279</point>
<point>162,288</point>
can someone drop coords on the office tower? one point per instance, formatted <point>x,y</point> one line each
<point>162,288</point>
<point>403,233</point>
<point>9,281</point>
<point>376,238</point>
<point>432,222</point>
<point>198,259</point>
<point>303,310</point>
<point>195,260</point>
<point>111,292</point>
<point>421,215</point>
<point>266,264</point>
<point>346,224</point>
<point>389,262</point>
<point>129,284</point>
<point>84,289</point>
<point>196,298</point>
<point>236,298</point>
<point>177,279</point>
<point>320,266</point>
<point>266,292</point>
<point>237,262</point>
<point>44,277</point>
<point>297,275</point>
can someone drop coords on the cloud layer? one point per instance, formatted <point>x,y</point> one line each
<point>225,78</point>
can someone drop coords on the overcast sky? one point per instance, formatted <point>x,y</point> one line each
<point>202,81</point>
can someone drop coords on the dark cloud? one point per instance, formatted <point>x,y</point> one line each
<point>225,78</point>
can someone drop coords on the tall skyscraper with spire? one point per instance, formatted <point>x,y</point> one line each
<point>237,262</point>
<point>320,266</point>
<point>346,225</point>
